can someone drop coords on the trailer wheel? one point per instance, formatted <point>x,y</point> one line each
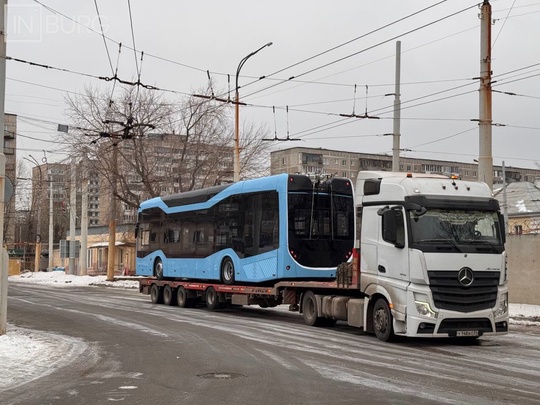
<point>227,271</point>
<point>382,321</point>
<point>309,310</point>
<point>156,294</point>
<point>169,297</point>
<point>158,269</point>
<point>183,299</point>
<point>212,299</point>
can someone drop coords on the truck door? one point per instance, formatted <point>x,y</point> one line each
<point>393,257</point>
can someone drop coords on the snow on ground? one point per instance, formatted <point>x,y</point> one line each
<point>61,279</point>
<point>26,355</point>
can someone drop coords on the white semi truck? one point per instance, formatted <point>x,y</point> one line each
<point>429,261</point>
<point>432,258</point>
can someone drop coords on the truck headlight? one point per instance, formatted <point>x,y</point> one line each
<point>423,308</point>
<point>503,305</point>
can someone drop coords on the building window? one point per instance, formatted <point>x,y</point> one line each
<point>352,163</point>
<point>344,162</point>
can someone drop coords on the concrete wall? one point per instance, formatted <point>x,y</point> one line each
<point>523,253</point>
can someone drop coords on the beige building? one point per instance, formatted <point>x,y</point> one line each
<point>348,164</point>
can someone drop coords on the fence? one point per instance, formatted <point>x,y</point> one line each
<point>523,252</point>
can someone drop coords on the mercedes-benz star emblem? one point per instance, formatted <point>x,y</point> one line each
<point>465,276</point>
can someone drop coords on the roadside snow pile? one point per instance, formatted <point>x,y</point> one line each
<point>524,314</point>
<point>26,355</point>
<point>60,278</point>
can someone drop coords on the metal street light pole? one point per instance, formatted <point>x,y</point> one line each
<point>237,115</point>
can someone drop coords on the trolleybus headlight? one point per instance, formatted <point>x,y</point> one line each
<point>503,305</point>
<point>423,308</point>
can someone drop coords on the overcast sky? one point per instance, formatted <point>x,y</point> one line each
<point>182,40</point>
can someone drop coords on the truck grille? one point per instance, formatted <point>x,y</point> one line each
<point>449,294</point>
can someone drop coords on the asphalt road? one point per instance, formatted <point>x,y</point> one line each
<point>134,352</point>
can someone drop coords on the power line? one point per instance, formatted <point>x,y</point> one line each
<point>133,40</point>
<point>103,36</point>
<point>114,78</point>
<point>363,50</point>
<point>354,39</point>
<point>52,10</point>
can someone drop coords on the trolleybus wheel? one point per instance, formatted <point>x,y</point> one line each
<point>169,297</point>
<point>227,271</point>
<point>212,299</point>
<point>156,294</point>
<point>158,269</point>
<point>382,321</point>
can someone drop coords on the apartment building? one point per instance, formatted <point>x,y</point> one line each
<point>348,164</point>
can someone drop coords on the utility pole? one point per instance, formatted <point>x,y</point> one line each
<point>112,217</point>
<point>397,111</point>
<point>72,217</point>
<point>51,223</point>
<point>485,158</point>
<point>505,203</point>
<point>84,225</point>
<point>37,206</point>
<point>3,252</point>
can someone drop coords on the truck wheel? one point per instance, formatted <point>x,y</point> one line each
<point>382,321</point>
<point>156,294</point>
<point>227,271</point>
<point>309,310</point>
<point>212,299</point>
<point>181,297</point>
<point>169,298</point>
<point>158,269</point>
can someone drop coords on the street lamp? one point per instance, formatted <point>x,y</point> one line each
<point>237,115</point>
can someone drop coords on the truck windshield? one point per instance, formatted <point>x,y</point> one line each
<point>461,230</point>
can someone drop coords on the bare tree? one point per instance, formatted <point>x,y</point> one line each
<point>144,146</point>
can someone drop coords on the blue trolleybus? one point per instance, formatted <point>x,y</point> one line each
<point>283,227</point>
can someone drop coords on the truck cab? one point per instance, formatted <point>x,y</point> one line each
<point>432,258</point>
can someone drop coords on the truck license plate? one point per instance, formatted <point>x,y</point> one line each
<point>461,333</point>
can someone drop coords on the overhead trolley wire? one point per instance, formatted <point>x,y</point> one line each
<point>103,36</point>
<point>133,40</point>
<point>350,41</point>
<point>52,10</point>
<point>362,50</point>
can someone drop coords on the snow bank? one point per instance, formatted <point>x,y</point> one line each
<point>61,279</point>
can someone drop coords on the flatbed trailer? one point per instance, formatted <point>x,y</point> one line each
<point>321,303</point>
